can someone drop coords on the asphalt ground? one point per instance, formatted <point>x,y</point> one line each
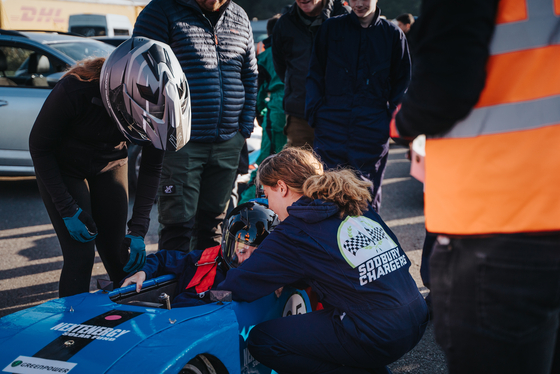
<point>31,259</point>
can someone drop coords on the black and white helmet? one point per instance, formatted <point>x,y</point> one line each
<point>246,227</point>
<point>145,91</point>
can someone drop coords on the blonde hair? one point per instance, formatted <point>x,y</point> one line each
<point>87,70</point>
<point>303,173</point>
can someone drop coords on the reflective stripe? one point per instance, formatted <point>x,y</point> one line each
<point>508,117</point>
<point>542,28</point>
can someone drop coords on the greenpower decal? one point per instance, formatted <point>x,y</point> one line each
<point>34,365</point>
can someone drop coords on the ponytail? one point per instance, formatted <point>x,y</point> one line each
<point>342,188</point>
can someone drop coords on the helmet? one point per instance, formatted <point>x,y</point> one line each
<point>246,227</point>
<point>145,91</point>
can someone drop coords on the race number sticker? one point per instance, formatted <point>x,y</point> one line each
<point>32,365</point>
<point>294,305</point>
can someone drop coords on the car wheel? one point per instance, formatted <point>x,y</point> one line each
<point>198,365</point>
<point>134,159</point>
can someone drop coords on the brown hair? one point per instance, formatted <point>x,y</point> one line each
<point>87,70</point>
<point>303,173</point>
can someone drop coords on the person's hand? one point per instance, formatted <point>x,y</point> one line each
<point>137,257</point>
<point>137,278</point>
<point>278,292</point>
<point>81,226</point>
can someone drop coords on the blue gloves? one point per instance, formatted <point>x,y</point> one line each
<point>137,257</point>
<point>81,226</point>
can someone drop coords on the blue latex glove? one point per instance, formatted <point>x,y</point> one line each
<point>81,226</point>
<point>137,257</point>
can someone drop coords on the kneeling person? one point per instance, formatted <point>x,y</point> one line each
<point>201,270</point>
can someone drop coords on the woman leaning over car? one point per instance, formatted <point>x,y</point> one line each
<point>80,160</point>
<point>331,239</point>
<point>79,148</point>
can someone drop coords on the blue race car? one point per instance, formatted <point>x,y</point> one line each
<point>127,332</point>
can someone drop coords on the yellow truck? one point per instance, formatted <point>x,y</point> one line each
<point>53,15</point>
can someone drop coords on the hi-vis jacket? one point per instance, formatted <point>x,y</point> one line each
<point>495,168</point>
<point>355,264</point>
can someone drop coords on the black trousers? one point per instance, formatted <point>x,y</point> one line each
<point>105,198</point>
<point>496,303</point>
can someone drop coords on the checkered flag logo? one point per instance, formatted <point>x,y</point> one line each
<point>353,245</point>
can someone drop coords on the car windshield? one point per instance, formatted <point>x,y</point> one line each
<point>79,50</point>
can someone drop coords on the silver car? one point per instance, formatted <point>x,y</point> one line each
<point>30,65</point>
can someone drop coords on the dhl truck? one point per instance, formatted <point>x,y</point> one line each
<point>53,15</point>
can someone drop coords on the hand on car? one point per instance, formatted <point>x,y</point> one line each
<point>137,278</point>
<point>137,257</point>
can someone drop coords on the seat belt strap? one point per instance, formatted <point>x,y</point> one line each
<point>207,266</point>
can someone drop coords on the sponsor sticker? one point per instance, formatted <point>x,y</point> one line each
<point>33,365</point>
<point>87,331</point>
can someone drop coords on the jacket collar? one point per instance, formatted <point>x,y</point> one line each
<point>194,5</point>
<point>267,42</point>
<point>312,211</point>
<point>327,11</point>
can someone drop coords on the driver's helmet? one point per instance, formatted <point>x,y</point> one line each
<point>145,91</point>
<point>246,227</point>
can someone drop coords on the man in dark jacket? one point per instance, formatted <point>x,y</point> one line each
<point>359,70</point>
<point>214,44</point>
<point>292,42</point>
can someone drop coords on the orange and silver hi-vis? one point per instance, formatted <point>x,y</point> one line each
<point>498,170</point>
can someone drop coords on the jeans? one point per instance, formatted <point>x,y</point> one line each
<point>496,302</point>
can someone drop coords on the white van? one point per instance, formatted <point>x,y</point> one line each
<point>100,24</point>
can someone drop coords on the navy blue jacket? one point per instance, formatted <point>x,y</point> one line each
<point>354,264</point>
<point>219,63</point>
<point>291,50</point>
<point>183,265</point>
<point>356,79</point>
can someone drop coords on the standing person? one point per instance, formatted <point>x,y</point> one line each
<point>270,98</point>
<point>405,21</point>
<point>331,239</point>
<point>80,157</point>
<point>269,104</point>
<point>359,70</point>
<point>292,42</point>
<point>214,44</point>
<point>485,87</point>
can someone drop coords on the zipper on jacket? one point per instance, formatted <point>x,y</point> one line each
<point>221,85</point>
<point>215,34</point>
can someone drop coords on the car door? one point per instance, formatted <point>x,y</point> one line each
<point>27,75</point>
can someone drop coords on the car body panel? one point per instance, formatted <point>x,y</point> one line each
<point>99,335</point>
